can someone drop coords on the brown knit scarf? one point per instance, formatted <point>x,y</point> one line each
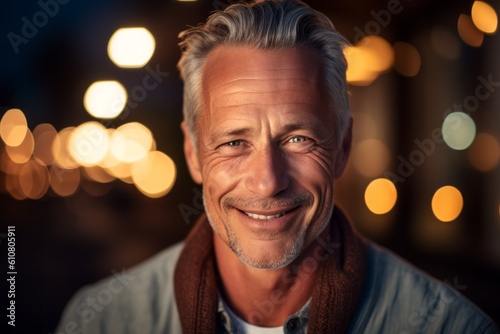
<point>335,295</point>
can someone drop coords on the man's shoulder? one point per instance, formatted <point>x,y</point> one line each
<point>140,298</point>
<point>404,299</point>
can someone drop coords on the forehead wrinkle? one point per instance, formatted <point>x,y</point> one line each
<point>257,84</point>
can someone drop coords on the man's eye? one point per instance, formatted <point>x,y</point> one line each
<point>234,143</point>
<point>298,139</point>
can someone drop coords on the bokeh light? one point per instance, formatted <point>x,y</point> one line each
<point>131,47</point>
<point>155,174</point>
<point>445,43</point>
<point>13,187</point>
<point>105,99</point>
<point>407,59</point>
<point>131,142</point>
<point>484,17</point>
<point>44,135</point>
<point>447,203</point>
<point>98,174</point>
<point>359,72</point>
<point>468,31</point>
<point>34,179</point>
<point>121,170</point>
<point>13,127</point>
<point>88,143</point>
<point>7,165</point>
<point>60,149</point>
<point>458,130</point>
<point>64,182</point>
<point>484,153</point>
<point>365,61</point>
<point>22,153</point>
<point>89,156</point>
<point>380,196</point>
<point>370,157</point>
<point>382,54</point>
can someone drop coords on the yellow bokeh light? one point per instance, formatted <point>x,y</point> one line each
<point>370,157</point>
<point>484,153</point>
<point>105,99</point>
<point>34,179</point>
<point>88,143</point>
<point>359,66</point>
<point>44,135</point>
<point>380,196</point>
<point>121,170</point>
<point>447,203</point>
<point>22,153</point>
<point>60,149</point>
<point>407,59</point>
<point>155,174</point>
<point>468,31</point>
<point>458,130</point>
<point>381,50</point>
<point>131,142</point>
<point>131,47</point>
<point>98,174</point>
<point>484,17</point>
<point>13,127</point>
<point>64,182</point>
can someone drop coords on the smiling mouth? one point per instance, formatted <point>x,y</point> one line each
<point>265,217</point>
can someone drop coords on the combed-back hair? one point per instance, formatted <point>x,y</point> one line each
<point>265,25</point>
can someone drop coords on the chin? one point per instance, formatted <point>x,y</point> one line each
<point>268,255</point>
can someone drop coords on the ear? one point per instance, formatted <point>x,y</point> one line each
<point>191,155</point>
<point>344,151</point>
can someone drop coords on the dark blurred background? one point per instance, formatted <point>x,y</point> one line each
<point>425,69</point>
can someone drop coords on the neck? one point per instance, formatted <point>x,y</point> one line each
<point>258,295</point>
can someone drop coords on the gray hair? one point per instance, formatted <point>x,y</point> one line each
<point>271,24</point>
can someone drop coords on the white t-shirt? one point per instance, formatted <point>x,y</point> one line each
<point>243,327</point>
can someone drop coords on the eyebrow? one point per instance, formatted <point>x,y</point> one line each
<point>312,126</point>
<point>218,134</point>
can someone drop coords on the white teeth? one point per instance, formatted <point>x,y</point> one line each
<point>256,216</point>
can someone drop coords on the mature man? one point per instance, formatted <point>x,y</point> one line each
<point>267,131</point>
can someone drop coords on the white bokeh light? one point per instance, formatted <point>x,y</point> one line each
<point>131,47</point>
<point>105,99</point>
<point>458,130</point>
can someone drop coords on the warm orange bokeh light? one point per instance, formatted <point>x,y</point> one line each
<point>131,142</point>
<point>484,153</point>
<point>468,31</point>
<point>447,203</point>
<point>380,196</point>
<point>34,179</point>
<point>44,135</point>
<point>22,153</point>
<point>155,174</point>
<point>407,59</point>
<point>13,127</point>
<point>64,182</point>
<point>484,17</point>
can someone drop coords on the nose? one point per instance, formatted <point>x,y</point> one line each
<point>267,173</point>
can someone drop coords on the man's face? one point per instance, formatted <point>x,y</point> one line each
<point>266,154</point>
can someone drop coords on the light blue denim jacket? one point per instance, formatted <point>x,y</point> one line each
<point>397,298</point>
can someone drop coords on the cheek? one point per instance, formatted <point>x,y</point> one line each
<point>315,169</point>
<point>220,176</point>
